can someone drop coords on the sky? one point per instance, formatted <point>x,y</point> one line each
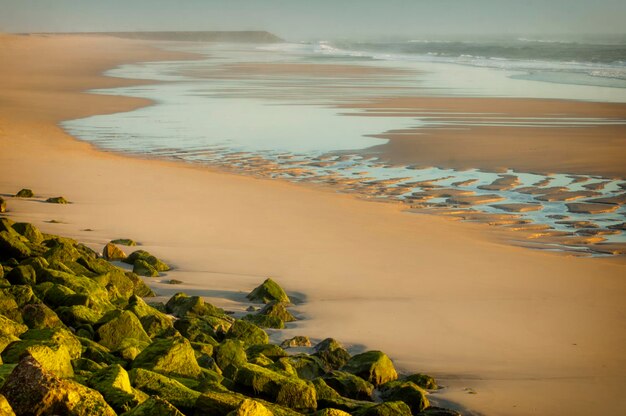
<point>320,19</point>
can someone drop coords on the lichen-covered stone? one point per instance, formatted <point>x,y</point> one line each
<point>373,366</point>
<point>38,316</point>
<point>196,329</point>
<point>13,245</point>
<point>125,325</point>
<point>112,252</point>
<point>85,365</point>
<point>349,385</point>
<point>29,231</point>
<point>297,341</point>
<point>155,406</point>
<point>251,408</point>
<point>22,275</point>
<point>25,193</point>
<point>166,388</point>
<point>154,322</point>
<point>307,366</point>
<point>54,338</point>
<point>10,328</point>
<point>77,315</point>
<point>407,392</point>
<point>97,295</point>
<point>143,268</point>
<point>157,264</point>
<point>172,356</point>
<point>181,305</point>
<point>31,390</point>
<point>57,200</point>
<point>278,310</point>
<point>385,409</point>
<point>247,332</point>
<point>332,353</point>
<point>422,380</point>
<point>267,292</point>
<point>114,385</point>
<point>271,351</point>
<point>286,391</point>
<point>230,352</point>
<point>98,353</point>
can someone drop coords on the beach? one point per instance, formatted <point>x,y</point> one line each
<point>525,330</point>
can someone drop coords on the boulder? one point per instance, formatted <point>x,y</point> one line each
<point>57,200</point>
<point>329,398</point>
<point>96,296</point>
<point>251,408</point>
<point>439,411</point>
<point>38,316</point>
<point>10,331</point>
<point>286,391</point>
<point>297,341</point>
<point>166,388</point>
<point>332,353</point>
<point>385,409</point>
<point>278,310</point>
<point>55,338</point>
<point>31,390</point>
<point>141,289</point>
<point>5,407</point>
<point>29,231</point>
<point>154,406</point>
<point>124,242</point>
<point>157,264</point>
<point>143,268</point>
<point>77,315</point>
<point>172,356</point>
<point>373,366</point>
<point>154,322</point>
<point>180,305</point>
<point>114,385</point>
<point>230,353</point>
<point>271,351</point>
<point>331,412</point>
<point>22,275</point>
<point>407,392</point>
<point>25,193</point>
<point>264,321</point>
<point>196,330</point>
<point>267,292</point>
<point>422,380</point>
<point>349,385</point>
<point>307,366</point>
<point>13,245</point>
<point>112,252</point>
<point>123,326</point>
<point>247,332</point>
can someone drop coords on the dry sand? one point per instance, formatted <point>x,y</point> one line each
<point>529,332</point>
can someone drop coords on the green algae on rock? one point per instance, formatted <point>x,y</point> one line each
<point>422,380</point>
<point>297,341</point>
<point>57,200</point>
<point>124,242</point>
<point>267,292</point>
<point>247,332</point>
<point>407,392</point>
<point>332,353</point>
<point>154,406</point>
<point>165,387</point>
<point>373,366</point>
<point>348,385</point>
<point>25,193</point>
<point>114,384</point>
<point>171,356</point>
<point>112,252</point>
<point>157,264</point>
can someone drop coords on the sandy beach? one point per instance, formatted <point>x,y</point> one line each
<point>527,331</point>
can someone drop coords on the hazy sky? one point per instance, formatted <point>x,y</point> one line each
<point>307,19</point>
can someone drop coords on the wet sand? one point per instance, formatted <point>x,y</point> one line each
<point>526,330</point>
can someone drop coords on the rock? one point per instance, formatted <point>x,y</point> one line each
<point>271,351</point>
<point>57,200</point>
<point>172,356</point>
<point>38,316</point>
<point>29,231</point>
<point>218,402</point>
<point>329,398</point>
<point>385,409</point>
<point>251,408</point>
<point>57,339</point>
<point>112,252</point>
<point>439,411</point>
<point>268,291</point>
<point>196,330</point>
<point>154,322</point>
<point>140,287</point>
<point>85,365</point>
<point>166,388</point>
<point>143,268</point>
<point>3,205</point>
<point>349,385</point>
<point>332,353</point>
<point>5,407</point>
<point>286,391</point>
<point>297,341</point>
<point>77,315</point>
<point>125,325</point>
<point>154,406</point>
<point>264,321</point>
<point>31,390</point>
<point>57,361</point>
<point>373,366</point>
<point>307,366</point>
<point>407,392</point>
<point>181,305</point>
<point>331,412</point>
<point>247,332</point>
<point>22,275</point>
<point>25,193</point>
<point>422,380</point>
<point>10,331</point>
<point>114,385</point>
<point>590,208</point>
<point>13,245</point>
<point>174,282</point>
<point>230,353</point>
<point>94,294</point>
<point>157,264</point>
<point>124,242</point>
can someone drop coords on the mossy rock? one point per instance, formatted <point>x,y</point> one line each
<point>332,353</point>
<point>180,305</point>
<point>125,325</point>
<point>25,193</point>
<point>286,391</point>
<point>13,245</point>
<point>157,264</point>
<point>248,333</point>
<point>267,292</point>
<point>143,268</point>
<point>52,337</point>
<point>77,315</point>
<point>407,392</point>
<point>85,365</point>
<point>10,328</point>
<point>155,406</point>
<point>295,342</point>
<point>154,322</point>
<point>166,388</point>
<point>9,307</point>
<point>373,366</point>
<point>283,366</point>
<point>22,275</point>
<point>57,200</point>
<point>220,402</point>
<point>97,295</point>
<point>349,385</point>
<point>23,294</point>
<point>196,329</point>
<point>112,252</point>
<point>98,353</point>
<point>438,411</point>
<point>31,390</point>
<point>279,310</point>
<point>141,288</point>
<point>307,366</point>
<point>55,360</point>
<point>251,408</point>
<point>114,385</point>
<point>124,242</point>
<point>422,380</point>
<point>385,409</point>
<point>329,398</point>
<point>230,353</point>
<point>29,231</point>
<point>264,321</point>
<point>271,351</point>
<point>331,412</point>
<point>172,356</point>
<point>130,348</point>
<point>118,285</point>
<point>38,316</point>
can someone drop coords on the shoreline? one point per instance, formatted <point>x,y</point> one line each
<point>247,220</point>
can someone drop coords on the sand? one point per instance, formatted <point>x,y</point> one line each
<point>526,330</point>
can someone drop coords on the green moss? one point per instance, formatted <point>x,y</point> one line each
<point>181,305</point>
<point>230,352</point>
<point>407,392</point>
<point>166,388</point>
<point>154,322</point>
<point>143,268</point>
<point>385,409</point>
<point>140,287</point>
<point>25,193</point>
<point>196,329</point>
<point>332,353</point>
<point>173,356</point>
<point>10,328</point>
<point>86,365</point>
<point>13,245</point>
<point>157,264</point>
<point>349,385</point>
<point>297,341</point>
<point>331,412</point>
<point>52,337</point>
<point>155,406</point>
<point>329,398</point>
<point>267,292</point>
<point>373,366</point>
<point>38,316</point>
<point>22,275</point>
<point>29,231</point>
<point>265,321</point>
<point>114,385</point>
<point>77,315</point>
<point>251,408</point>
<point>97,295</point>
<point>422,380</point>
<point>271,351</point>
<point>307,366</point>
<point>247,332</point>
<point>124,242</point>
<point>125,325</point>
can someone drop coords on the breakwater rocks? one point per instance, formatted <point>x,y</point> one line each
<point>79,336</point>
